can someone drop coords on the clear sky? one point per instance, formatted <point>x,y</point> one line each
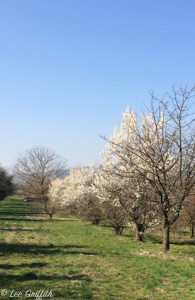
<point>69,68</point>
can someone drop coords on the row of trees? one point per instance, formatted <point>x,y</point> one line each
<point>148,168</point>
<point>147,174</point>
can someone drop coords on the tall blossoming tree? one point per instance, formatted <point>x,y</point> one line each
<point>159,150</point>
<point>118,186</point>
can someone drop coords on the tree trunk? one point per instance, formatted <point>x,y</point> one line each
<point>192,231</point>
<point>96,221</point>
<point>118,229</point>
<point>166,231</point>
<point>121,230</point>
<point>139,232</point>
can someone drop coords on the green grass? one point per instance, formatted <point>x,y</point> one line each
<point>79,261</point>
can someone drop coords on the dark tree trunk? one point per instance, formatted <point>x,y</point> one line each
<point>192,231</point>
<point>118,229</point>
<point>166,231</point>
<point>139,232</point>
<point>96,222</point>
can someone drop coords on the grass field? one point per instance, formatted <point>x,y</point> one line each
<point>79,261</point>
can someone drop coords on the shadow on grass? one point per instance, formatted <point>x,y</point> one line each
<point>10,230</point>
<point>23,220</point>
<point>34,249</point>
<point>33,265</point>
<point>33,276</point>
<point>23,213</point>
<point>154,239</point>
<point>37,220</point>
<point>21,209</point>
<point>105,225</point>
<point>174,241</point>
<point>83,291</point>
<point>130,235</point>
<point>183,233</point>
<point>186,242</point>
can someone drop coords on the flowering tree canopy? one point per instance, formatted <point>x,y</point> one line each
<point>156,153</point>
<point>119,184</point>
<point>74,191</point>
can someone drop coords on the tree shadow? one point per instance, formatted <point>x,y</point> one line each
<point>9,213</point>
<point>174,241</point>
<point>154,239</point>
<point>183,233</point>
<point>35,249</point>
<point>126,235</point>
<point>190,242</point>
<point>23,220</point>
<point>41,282</point>
<point>37,220</point>
<point>33,265</point>
<point>10,230</point>
<point>33,276</point>
<point>105,225</point>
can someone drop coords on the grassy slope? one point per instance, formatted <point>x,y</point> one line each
<point>79,261</point>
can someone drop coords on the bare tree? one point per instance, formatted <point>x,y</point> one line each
<point>174,183</point>
<point>35,169</point>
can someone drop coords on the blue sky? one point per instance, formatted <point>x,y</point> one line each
<point>69,68</point>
